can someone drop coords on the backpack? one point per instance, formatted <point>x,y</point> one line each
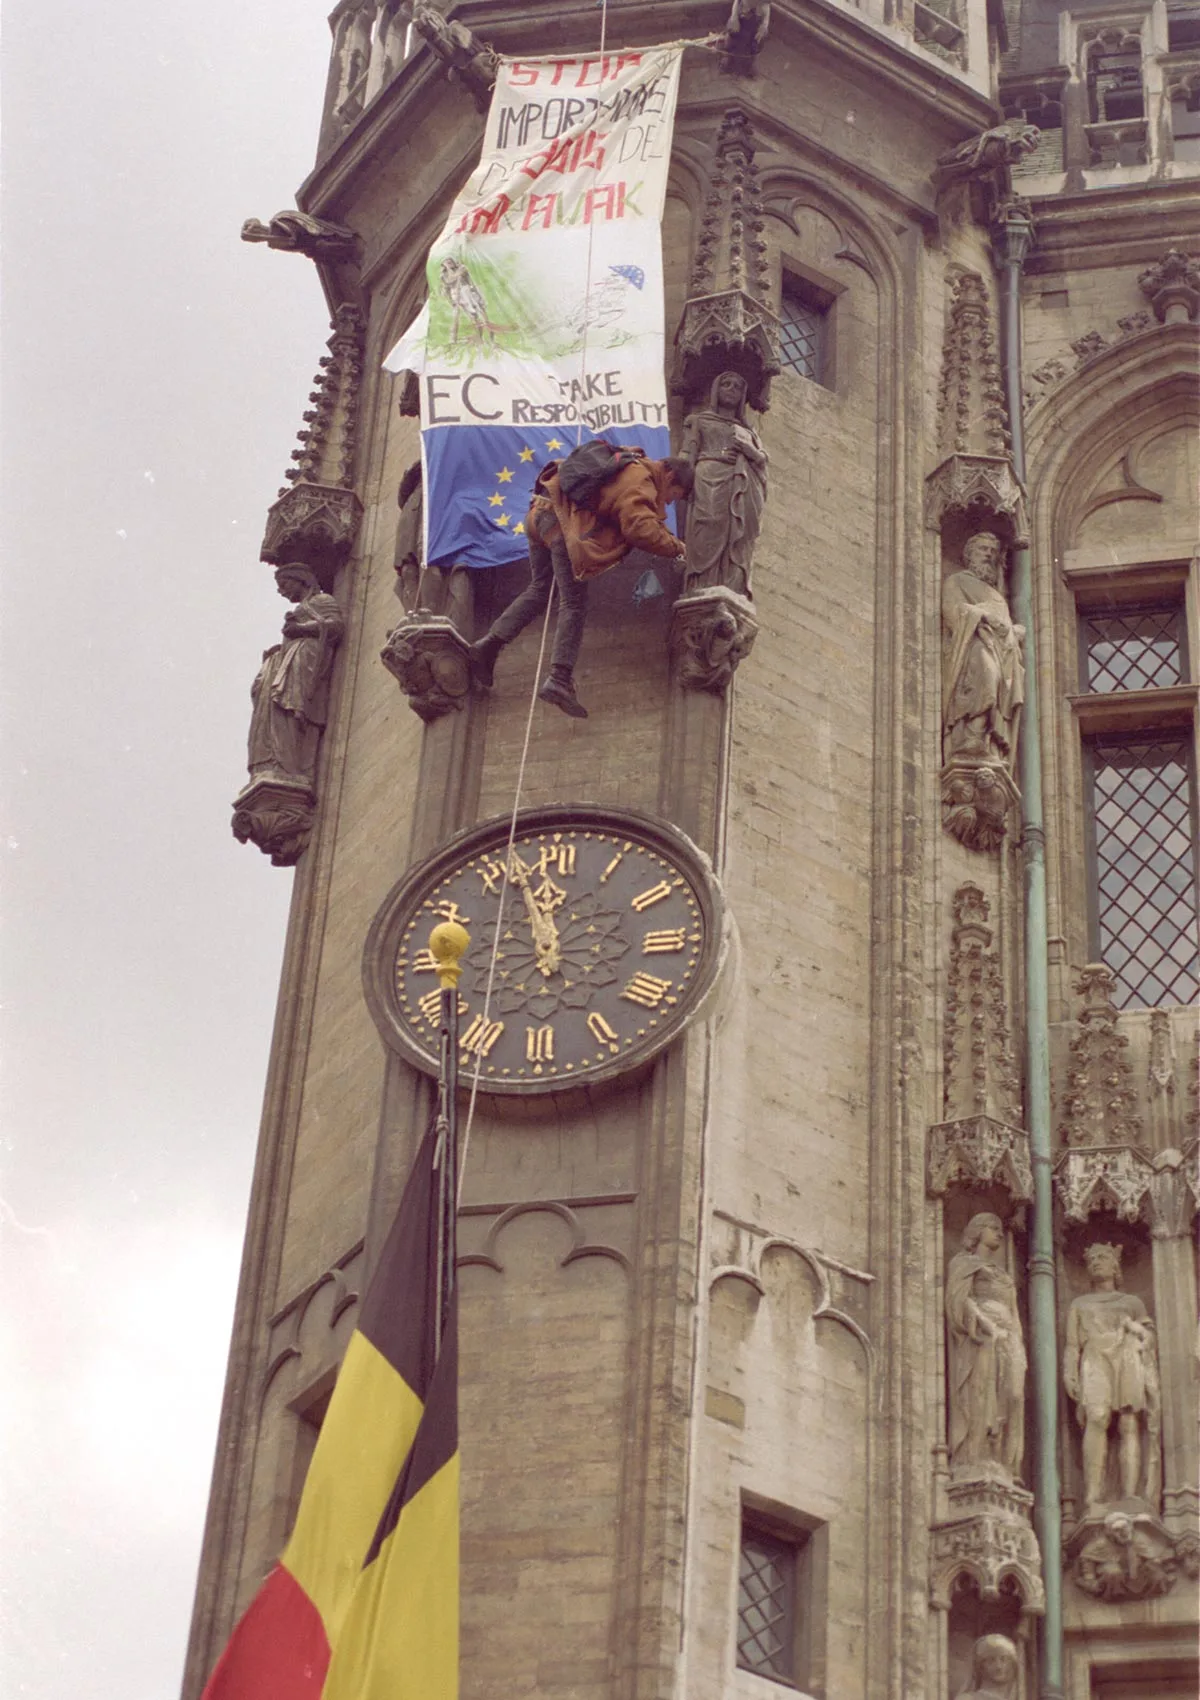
<point>588,468</point>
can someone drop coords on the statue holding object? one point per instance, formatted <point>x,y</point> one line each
<point>986,1354</point>
<point>724,514</point>
<point>1110,1371</point>
<point>291,692</point>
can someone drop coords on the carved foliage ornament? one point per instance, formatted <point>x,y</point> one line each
<point>1100,1100</point>
<point>316,521</point>
<point>980,1079</point>
<point>971,396</point>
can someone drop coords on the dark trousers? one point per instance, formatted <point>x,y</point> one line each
<point>549,564</point>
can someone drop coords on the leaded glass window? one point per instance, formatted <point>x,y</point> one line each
<point>1138,649</point>
<point>1143,816</point>
<point>766,1628</point>
<point>804,329</point>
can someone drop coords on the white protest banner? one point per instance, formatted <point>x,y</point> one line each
<point>544,324</point>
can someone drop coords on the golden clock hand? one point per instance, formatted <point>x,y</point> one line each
<point>545,934</point>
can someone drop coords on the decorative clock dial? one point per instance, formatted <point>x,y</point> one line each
<point>607,934</point>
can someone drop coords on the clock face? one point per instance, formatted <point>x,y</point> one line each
<point>596,933</point>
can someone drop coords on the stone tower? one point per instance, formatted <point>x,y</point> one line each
<point>783,1359</point>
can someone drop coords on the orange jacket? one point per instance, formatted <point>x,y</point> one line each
<point>630,514</point>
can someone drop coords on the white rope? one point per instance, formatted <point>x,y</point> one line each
<point>533,697</point>
<point>512,833</point>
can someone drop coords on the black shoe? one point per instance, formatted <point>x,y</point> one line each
<point>561,692</point>
<point>481,659</point>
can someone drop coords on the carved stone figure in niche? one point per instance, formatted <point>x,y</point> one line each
<point>291,692</point>
<point>995,1665</point>
<point>1110,1370</point>
<point>984,665</point>
<point>407,560</point>
<point>725,510</point>
<point>986,1355</point>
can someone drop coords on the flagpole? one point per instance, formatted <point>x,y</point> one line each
<point>447,943</point>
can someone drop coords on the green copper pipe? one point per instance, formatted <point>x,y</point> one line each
<point>1013,238</point>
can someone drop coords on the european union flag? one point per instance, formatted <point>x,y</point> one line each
<point>479,481</point>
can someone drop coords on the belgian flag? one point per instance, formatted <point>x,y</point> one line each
<point>364,1601</point>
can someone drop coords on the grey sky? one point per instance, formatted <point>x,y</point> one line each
<point>155,372</point>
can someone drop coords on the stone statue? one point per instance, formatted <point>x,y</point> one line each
<point>995,1665</point>
<point>983,660</point>
<point>986,1355</point>
<point>1110,1370</point>
<point>291,692</point>
<point>407,559</point>
<point>725,509</point>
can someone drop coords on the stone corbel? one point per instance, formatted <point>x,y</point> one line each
<point>275,813</point>
<point>1172,287</point>
<point>977,1152</point>
<point>1122,1556</point>
<point>429,657</point>
<point>977,799</point>
<point>712,632</point>
<point>987,1537</point>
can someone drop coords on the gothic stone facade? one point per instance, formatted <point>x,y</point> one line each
<point>713,1312</point>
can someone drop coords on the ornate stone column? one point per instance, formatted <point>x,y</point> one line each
<point>727,328</point>
<point>978,1160</point>
<point>1173,1195</point>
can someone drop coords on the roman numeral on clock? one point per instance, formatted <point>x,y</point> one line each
<point>667,938</point>
<point>539,1044</point>
<point>652,894</point>
<point>647,989</point>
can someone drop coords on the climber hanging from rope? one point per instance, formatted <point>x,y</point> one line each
<point>588,511</point>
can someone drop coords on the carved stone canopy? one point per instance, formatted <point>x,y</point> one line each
<point>315,524</point>
<point>979,1152</point>
<point>727,324</point>
<point>712,632</point>
<point>988,1538</point>
<point>728,332</point>
<point>977,490</point>
<point>1117,1178</point>
<point>429,657</point>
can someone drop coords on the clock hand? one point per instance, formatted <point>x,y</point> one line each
<point>541,922</point>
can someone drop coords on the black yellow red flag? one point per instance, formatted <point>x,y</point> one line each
<point>381,1482</point>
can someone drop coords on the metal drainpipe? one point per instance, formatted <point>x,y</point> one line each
<point>1013,237</point>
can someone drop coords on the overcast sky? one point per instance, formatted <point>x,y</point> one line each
<point>155,372</point>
